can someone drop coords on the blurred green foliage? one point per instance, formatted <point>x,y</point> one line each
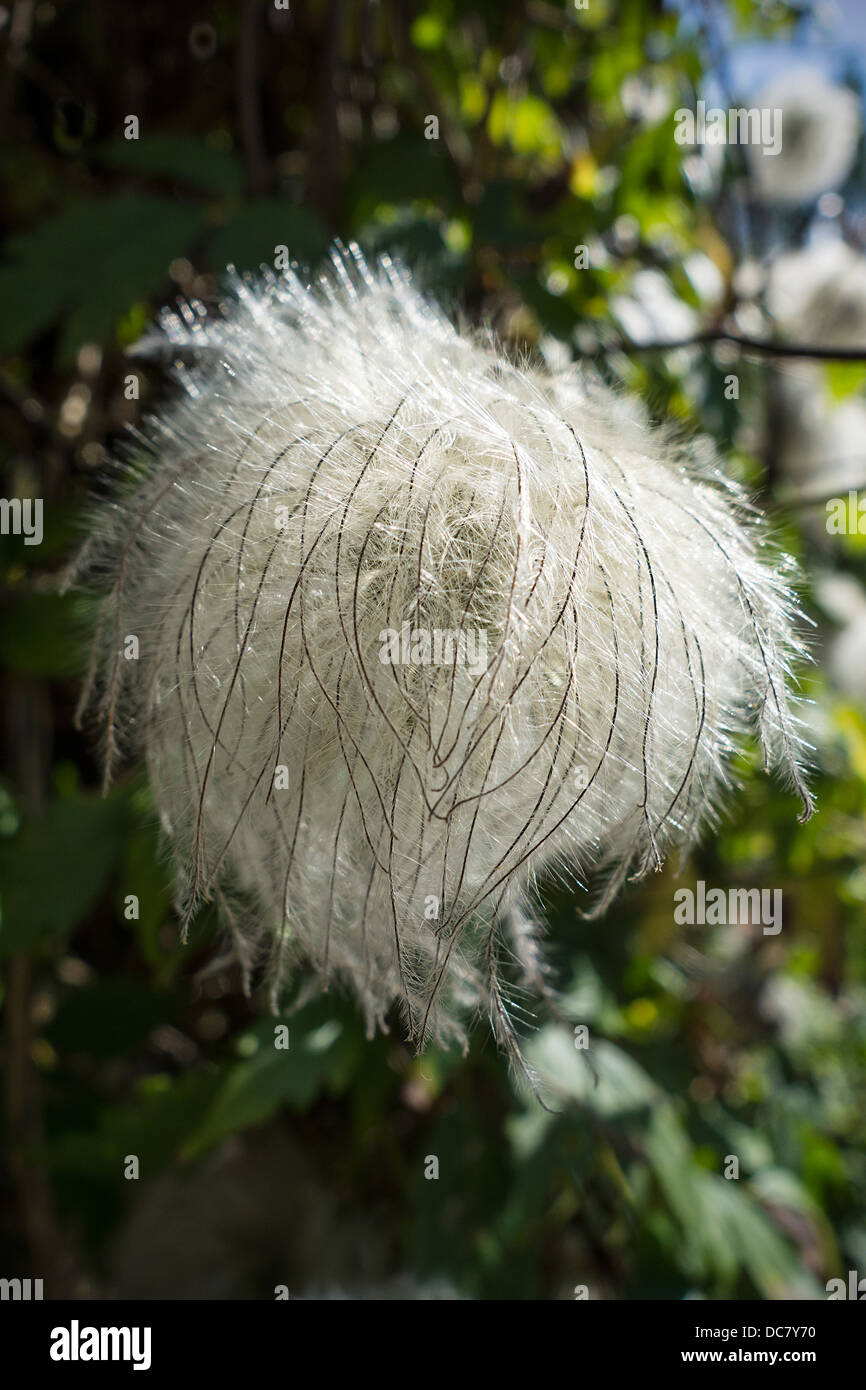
<point>707,1042</point>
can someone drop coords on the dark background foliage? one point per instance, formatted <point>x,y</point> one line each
<point>262,127</point>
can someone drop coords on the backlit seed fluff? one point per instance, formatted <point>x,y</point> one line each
<point>820,129</point>
<point>414,622</point>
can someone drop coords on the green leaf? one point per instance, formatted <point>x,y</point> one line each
<point>400,171</point>
<point>180,157</point>
<point>38,637</point>
<point>248,238</point>
<point>769,1260</point>
<point>325,1049</point>
<point>54,870</point>
<point>428,31</point>
<point>152,1127</point>
<point>844,379</point>
<point>146,875</point>
<point>723,1229</point>
<point>90,263</point>
<point>605,1078</point>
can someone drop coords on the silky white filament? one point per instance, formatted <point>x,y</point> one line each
<point>412,623</point>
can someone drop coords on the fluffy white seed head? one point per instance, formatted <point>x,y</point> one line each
<point>821,129</point>
<point>820,441</point>
<point>413,624</point>
<point>818,295</point>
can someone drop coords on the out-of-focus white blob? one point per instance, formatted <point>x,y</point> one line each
<point>817,296</point>
<point>821,126</point>
<point>652,312</point>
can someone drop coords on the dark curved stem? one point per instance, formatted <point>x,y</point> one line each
<point>722,335</point>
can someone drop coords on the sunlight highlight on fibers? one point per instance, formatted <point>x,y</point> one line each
<point>345,477</point>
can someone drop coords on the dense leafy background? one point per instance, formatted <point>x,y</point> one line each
<point>261,1167</point>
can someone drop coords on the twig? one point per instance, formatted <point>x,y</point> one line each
<point>722,335</point>
<point>249,105</point>
<point>27,721</point>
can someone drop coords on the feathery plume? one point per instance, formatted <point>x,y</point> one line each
<point>414,623</point>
